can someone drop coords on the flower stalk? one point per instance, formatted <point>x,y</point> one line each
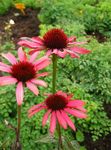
<point>54,61</point>
<point>18,123</point>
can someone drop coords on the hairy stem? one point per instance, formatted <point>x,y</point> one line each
<point>54,61</point>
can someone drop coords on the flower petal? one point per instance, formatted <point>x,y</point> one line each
<point>19,93</point>
<point>22,55</point>
<point>75,103</point>
<point>72,54</point>
<point>68,120</point>
<point>77,43</point>
<point>39,82</point>
<point>33,56</point>
<point>5,69</point>
<point>29,44</point>
<point>42,63</point>
<point>48,52</point>
<point>80,50</point>
<point>7,80</point>
<point>61,120</point>
<point>11,58</point>
<point>41,60</point>
<point>43,74</point>
<point>62,53</point>
<point>4,65</point>
<point>76,113</point>
<point>36,111</point>
<point>53,122</point>
<point>32,87</point>
<point>45,117</point>
<point>35,50</point>
<point>72,38</point>
<point>33,108</point>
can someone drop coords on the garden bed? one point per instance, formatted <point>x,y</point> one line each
<point>28,25</point>
<point>25,25</point>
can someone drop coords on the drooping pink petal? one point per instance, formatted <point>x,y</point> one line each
<point>43,74</point>
<point>4,65</point>
<point>45,117</point>
<point>32,87</point>
<point>72,54</point>
<point>39,82</point>
<point>61,93</point>
<point>36,111</point>
<point>75,103</point>
<point>37,40</point>
<point>48,52</point>
<point>29,44</point>
<point>42,63</point>
<point>61,120</point>
<point>75,113</point>
<point>11,58</point>
<point>33,108</point>
<point>52,122</point>
<point>68,120</point>
<point>22,55</point>
<point>41,60</point>
<point>62,54</point>
<point>35,50</point>
<point>19,93</point>
<point>80,50</point>
<point>33,56</point>
<point>7,80</point>
<point>5,69</point>
<point>72,38</point>
<point>77,43</point>
<point>55,51</point>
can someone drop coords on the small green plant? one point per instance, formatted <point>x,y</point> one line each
<point>4,6</point>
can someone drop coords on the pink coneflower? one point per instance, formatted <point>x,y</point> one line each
<point>23,72</point>
<point>58,106</point>
<point>55,41</point>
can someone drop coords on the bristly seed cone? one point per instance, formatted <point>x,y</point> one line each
<point>23,71</point>
<point>56,102</point>
<point>55,39</point>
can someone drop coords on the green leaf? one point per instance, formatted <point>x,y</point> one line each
<point>79,136</point>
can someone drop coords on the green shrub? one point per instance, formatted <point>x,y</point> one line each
<point>4,6</point>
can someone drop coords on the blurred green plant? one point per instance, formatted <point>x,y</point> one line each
<point>4,6</point>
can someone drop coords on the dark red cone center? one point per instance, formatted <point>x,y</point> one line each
<point>55,39</point>
<point>23,71</point>
<point>56,102</point>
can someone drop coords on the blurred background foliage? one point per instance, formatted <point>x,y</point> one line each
<point>88,78</point>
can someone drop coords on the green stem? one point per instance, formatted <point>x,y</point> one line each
<point>60,145</point>
<point>18,126</point>
<point>54,61</point>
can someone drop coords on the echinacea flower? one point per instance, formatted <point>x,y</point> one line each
<point>23,72</point>
<point>58,106</point>
<point>55,41</point>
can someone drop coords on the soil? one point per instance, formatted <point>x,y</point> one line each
<point>28,26</point>
<point>101,38</point>
<point>25,25</point>
<point>101,144</point>
<point>107,108</point>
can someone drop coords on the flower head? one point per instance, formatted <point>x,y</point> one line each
<point>58,106</point>
<point>55,41</point>
<point>23,72</point>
